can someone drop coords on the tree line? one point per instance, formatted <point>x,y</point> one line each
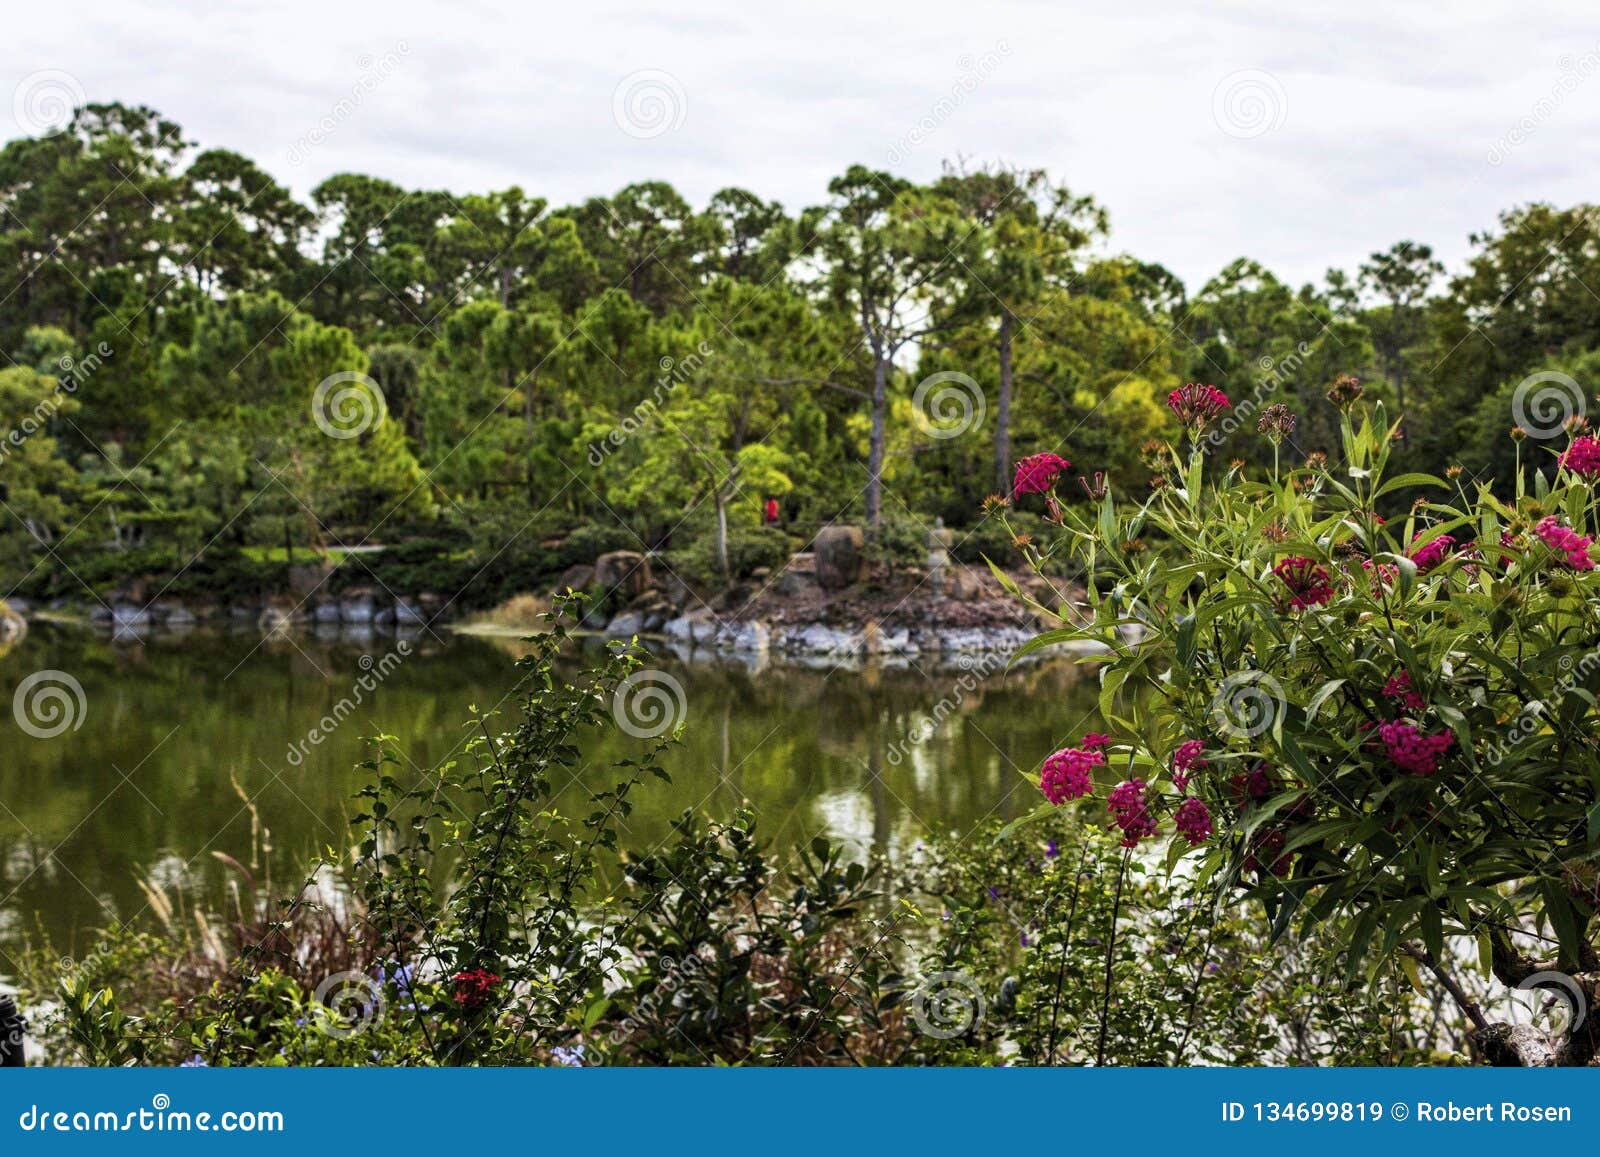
<point>197,360</point>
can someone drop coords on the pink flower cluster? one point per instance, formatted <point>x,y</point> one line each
<point>1038,472</point>
<point>1431,553</point>
<point>1195,404</point>
<point>1308,582</point>
<point>1130,812</point>
<point>1069,773</point>
<point>1412,751</point>
<point>1583,456</point>
<point>1186,759</point>
<point>1399,687</point>
<point>1380,574</point>
<point>1193,820</point>
<point>1565,541</point>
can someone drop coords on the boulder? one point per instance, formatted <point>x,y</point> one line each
<point>326,612</point>
<point>747,638</point>
<point>359,608</point>
<point>838,556</point>
<point>576,578</point>
<point>624,571</point>
<point>626,625</point>
<point>12,625</point>
<point>820,640</point>
<point>406,613</point>
<point>963,584</point>
<point>698,626</point>
<point>127,615</point>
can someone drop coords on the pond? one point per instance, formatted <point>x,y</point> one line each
<point>154,763</point>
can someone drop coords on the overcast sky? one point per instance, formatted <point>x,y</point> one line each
<point>1304,135</point>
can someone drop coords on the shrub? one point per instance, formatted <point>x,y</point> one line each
<point>749,547</point>
<point>1370,717</point>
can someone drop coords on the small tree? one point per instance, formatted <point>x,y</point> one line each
<point>1386,726</point>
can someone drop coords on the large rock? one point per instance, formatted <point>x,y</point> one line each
<point>575,578</point>
<point>838,556</point>
<point>751,638</point>
<point>698,626</point>
<point>358,609</point>
<point>623,571</point>
<point>626,625</point>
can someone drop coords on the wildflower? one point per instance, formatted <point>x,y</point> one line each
<point>1317,460</point>
<point>1098,490</point>
<point>1153,454</point>
<point>1518,433</point>
<point>1196,404</point>
<point>569,1058</point>
<point>1583,456</point>
<point>195,1062</point>
<point>1051,850</point>
<point>1193,820</point>
<point>1038,472</point>
<point>1431,553</point>
<point>1399,687</point>
<point>1252,786</point>
<point>1412,751</point>
<point>1345,391</point>
<point>1130,812</point>
<point>1275,531</point>
<point>1453,472</point>
<point>1021,540</point>
<point>1567,542</point>
<point>1277,422</point>
<point>1306,580</point>
<point>1186,759</point>
<point>1068,774</point>
<point>474,988</point>
<point>995,502</point>
<point>1094,740</point>
<point>1134,546</point>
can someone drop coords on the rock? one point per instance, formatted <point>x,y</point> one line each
<point>99,613</point>
<point>748,638</point>
<point>275,619</point>
<point>820,640</point>
<point>838,556</point>
<point>357,609</point>
<point>963,583</point>
<point>698,626</point>
<point>126,615</point>
<point>576,578</point>
<point>406,613</point>
<point>179,615</point>
<point>655,620</point>
<point>326,612</point>
<point>624,571</point>
<point>20,606</point>
<point>626,625</point>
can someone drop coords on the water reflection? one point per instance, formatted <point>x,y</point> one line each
<point>181,731</point>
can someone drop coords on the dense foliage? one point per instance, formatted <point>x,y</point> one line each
<point>1371,714</point>
<point>200,367</point>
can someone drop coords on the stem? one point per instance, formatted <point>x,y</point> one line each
<point>1111,944</point>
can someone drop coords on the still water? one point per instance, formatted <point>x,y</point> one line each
<point>172,734</point>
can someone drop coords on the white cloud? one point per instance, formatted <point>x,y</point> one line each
<point>1389,110</point>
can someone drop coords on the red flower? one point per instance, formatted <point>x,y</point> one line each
<point>1583,456</point>
<point>1068,774</point>
<point>1412,751</point>
<point>1567,542</point>
<point>1308,582</point>
<point>1431,553</point>
<point>1094,740</point>
<point>1130,812</point>
<point>1038,472</point>
<point>1185,760</point>
<point>1267,854</point>
<point>1195,404</point>
<point>1400,688</point>
<point>474,988</point>
<point>1193,819</point>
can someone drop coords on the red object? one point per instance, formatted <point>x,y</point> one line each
<point>772,510</point>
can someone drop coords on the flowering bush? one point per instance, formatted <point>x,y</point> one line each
<point>1365,709</point>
